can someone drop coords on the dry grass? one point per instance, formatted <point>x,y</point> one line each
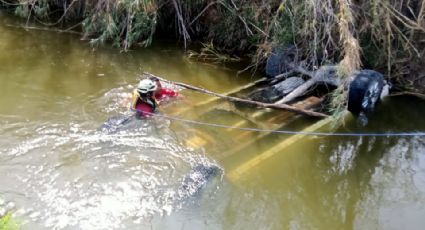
<point>386,35</point>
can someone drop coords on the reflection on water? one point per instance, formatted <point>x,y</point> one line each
<point>395,197</point>
<point>62,171</point>
<point>370,183</point>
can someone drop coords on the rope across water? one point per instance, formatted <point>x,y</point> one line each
<point>289,132</point>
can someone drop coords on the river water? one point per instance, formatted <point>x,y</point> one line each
<point>60,171</point>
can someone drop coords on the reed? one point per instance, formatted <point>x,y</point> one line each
<point>385,35</point>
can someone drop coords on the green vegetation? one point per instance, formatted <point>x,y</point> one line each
<point>7,223</point>
<point>386,35</point>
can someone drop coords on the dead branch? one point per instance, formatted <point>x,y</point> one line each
<point>418,95</point>
<point>236,99</point>
<point>69,31</point>
<point>322,75</point>
<point>65,12</point>
<point>182,25</point>
<point>403,19</point>
<point>299,91</point>
<point>202,12</point>
<point>281,76</point>
<point>243,20</point>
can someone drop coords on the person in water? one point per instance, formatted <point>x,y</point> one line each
<point>146,96</point>
<point>143,101</point>
<point>162,93</point>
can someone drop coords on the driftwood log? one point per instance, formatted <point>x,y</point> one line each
<point>325,74</point>
<point>236,99</point>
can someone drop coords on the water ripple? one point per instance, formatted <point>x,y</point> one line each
<point>73,177</point>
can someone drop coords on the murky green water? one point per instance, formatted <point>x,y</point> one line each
<point>62,172</point>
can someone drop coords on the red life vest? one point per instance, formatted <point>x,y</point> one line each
<point>147,107</point>
<point>144,109</point>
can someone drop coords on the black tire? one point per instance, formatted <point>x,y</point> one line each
<point>279,61</point>
<point>364,92</point>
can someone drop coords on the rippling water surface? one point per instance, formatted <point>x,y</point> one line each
<point>59,170</point>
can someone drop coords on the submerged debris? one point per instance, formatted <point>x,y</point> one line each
<point>197,179</point>
<point>277,91</point>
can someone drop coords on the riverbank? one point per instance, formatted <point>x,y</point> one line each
<point>384,35</point>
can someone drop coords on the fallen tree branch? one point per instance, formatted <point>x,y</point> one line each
<point>299,91</point>
<point>406,93</point>
<point>322,75</point>
<point>236,99</point>
<point>44,29</point>
<point>280,77</point>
